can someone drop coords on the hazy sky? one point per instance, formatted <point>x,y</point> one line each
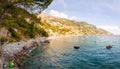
<point>102,13</point>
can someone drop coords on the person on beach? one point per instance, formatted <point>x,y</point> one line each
<point>11,63</point>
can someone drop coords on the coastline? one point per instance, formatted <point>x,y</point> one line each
<point>17,51</point>
<point>15,47</point>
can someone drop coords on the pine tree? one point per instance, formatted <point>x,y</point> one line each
<point>19,18</point>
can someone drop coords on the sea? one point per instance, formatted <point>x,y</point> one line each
<point>61,54</point>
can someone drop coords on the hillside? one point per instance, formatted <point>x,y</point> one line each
<point>21,27</point>
<point>18,19</point>
<point>59,26</point>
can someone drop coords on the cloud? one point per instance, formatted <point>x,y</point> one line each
<point>62,15</point>
<point>74,18</point>
<point>58,14</point>
<point>113,29</point>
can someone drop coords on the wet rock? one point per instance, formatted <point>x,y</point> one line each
<point>46,41</point>
<point>24,48</point>
<point>19,57</point>
<point>35,44</point>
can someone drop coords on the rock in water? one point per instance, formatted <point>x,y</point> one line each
<point>76,47</point>
<point>109,46</point>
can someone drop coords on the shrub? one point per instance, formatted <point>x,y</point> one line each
<point>14,34</point>
<point>33,31</point>
<point>3,39</point>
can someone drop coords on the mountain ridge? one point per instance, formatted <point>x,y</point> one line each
<point>77,28</point>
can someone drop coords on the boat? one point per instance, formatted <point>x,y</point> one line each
<point>76,47</point>
<point>109,47</point>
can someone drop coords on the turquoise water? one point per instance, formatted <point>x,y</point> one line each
<point>60,54</point>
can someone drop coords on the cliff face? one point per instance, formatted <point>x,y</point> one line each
<point>60,26</point>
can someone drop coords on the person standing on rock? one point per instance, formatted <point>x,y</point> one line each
<point>11,64</point>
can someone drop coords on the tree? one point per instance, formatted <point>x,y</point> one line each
<point>28,5</point>
<point>17,16</point>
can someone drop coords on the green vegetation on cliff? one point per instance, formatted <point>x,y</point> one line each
<point>18,22</point>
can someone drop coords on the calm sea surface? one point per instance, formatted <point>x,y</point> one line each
<point>92,54</point>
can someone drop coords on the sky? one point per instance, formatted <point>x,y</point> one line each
<point>104,14</point>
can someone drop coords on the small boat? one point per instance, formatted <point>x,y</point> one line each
<point>109,47</point>
<point>76,47</point>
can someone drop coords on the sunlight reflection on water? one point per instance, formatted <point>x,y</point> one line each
<point>60,54</point>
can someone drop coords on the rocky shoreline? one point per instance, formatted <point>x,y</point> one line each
<point>16,52</point>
